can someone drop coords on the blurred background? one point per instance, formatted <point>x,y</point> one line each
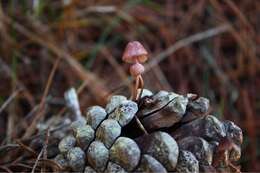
<point>208,47</point>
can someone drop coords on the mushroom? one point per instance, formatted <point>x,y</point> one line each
<point>135,54</point>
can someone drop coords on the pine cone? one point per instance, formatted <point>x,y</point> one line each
<point>182,137</point>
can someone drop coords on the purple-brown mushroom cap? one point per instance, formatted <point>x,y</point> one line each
<point>135,52</point>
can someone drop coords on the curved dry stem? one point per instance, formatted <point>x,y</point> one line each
<point>139,83</point>
<point>141,86</point>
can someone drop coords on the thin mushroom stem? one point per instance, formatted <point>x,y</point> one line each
<point>141,86</point>
<point>134,90</point>
<point>139,83</point>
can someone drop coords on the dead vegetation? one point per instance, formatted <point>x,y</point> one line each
<point>205,47</point>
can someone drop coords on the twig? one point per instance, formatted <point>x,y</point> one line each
<point>240,15</point>
<point>250,124</point>
<point>3,147</point>
<point>46,143</point>
<point>96,9</point>
<point>187,41</point>
<point>10,98</point>
<point>31,113</point>
<point>6,169</point>
<point>140,125</point>
<point>51,163</point>
<point>94,84</point>
<point>118,88</point>
<point>213,64</point>
<point>44,131</point>
<point>8,72</point>
<point>32,126</point>
<point>49,81</point>
<point>45,148</point>
<point>20,165</point>
<point>118,68</point>
<point>25,147</point>
<point>243,40</point>
<point>164,83</point>
<point>37,160</point>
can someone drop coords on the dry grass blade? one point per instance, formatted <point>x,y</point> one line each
<point>120,71</point>
<point>8,72</point>
<point>187,41</point>
<point>206,47</point>
<point>45,152</point>
<point>8,146</point>
<point>30,130</point>
<point>93,82</point>
<point>10,98</point>
<point>250,123</point>
<point>26,148</point>
<point>5,169</point>
<point>44,132</point>
<point>36,161</point>
<point>162,80</point>
<point>52,164</point>
<point>20,165</point>
<point>244,41</point>
<point>241,16</point>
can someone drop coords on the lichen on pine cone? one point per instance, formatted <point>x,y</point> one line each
<point>182,137</point>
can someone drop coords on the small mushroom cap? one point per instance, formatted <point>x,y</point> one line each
<point>136,69</point>
<point>135,51</point>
